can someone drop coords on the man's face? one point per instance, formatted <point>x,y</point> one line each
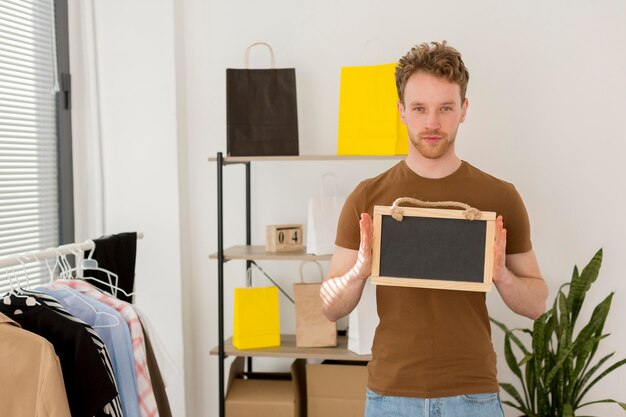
<point>432,111</point>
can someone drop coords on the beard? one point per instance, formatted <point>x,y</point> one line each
<point>432,151</point>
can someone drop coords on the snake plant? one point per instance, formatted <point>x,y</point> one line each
<point>557,369</point>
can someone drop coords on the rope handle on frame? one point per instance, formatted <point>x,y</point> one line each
<point>396,211</point>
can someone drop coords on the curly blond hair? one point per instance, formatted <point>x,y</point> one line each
<point>434,58</point>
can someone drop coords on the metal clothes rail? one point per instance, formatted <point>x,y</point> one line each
<point>42,255</point>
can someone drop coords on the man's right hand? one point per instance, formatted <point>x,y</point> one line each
<point>363,267</point>
<point>348,271</point>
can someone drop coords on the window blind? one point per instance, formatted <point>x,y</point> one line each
<point>29,201</point>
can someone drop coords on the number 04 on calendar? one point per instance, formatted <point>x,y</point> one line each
<point>284,238</point>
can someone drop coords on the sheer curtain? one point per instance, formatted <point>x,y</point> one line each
<point>89,195</point>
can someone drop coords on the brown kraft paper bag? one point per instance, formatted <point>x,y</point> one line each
<point>312,328</point>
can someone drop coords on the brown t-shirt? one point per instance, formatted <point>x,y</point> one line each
<point>434,343</point>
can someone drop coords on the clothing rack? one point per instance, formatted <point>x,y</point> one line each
<point>42,255</point>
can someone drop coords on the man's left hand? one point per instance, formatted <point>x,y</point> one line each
<point>500,271</point>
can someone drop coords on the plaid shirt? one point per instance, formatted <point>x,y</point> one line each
<point>147,402</point>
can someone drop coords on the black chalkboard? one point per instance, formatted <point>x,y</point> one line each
<point>421,248</point>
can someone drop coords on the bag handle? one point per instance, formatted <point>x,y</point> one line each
<point>302,270</point>
<point>396,211</point>
<point>247,54</point>
<point>249,280</point>
<point>324,177</point>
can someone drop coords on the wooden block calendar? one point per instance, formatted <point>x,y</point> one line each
<point>284,238</point>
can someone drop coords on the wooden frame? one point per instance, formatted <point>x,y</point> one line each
<point>428,282</point>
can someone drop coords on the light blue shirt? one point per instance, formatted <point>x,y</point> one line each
<point>113,330</point>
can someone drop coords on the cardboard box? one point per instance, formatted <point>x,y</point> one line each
<point>265,394</point>
<point>336,389</point>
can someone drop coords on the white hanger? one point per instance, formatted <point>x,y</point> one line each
<point>13,290</point>
<point>54,267</point>
<point>98,313</point>
<point>90,264</point>
<point>66,271</point>
<point>27,278</point>
<point>31,301</point>
<point>62,262</point>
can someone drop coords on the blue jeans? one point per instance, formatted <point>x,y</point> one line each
<point>471,405</point>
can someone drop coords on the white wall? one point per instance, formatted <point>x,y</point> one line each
<point>137,85</point>
<point>546,94</point>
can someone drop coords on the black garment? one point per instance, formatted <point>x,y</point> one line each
<point>114,407</point>
<point>116,253</point>
<point>87,384</point>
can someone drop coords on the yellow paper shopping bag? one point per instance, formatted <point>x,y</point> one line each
<point>369,123</point>
<point>257,321</point>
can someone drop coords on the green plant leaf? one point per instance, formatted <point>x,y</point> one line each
<point>598,320</point>
<point>575,278</point>
<point>599,334</point>
<point>559,363</point>
<point>511,360</point>
<point>510,404</point>
<point>598,378</point>
<point>531,381</point>
<point>538,351</point>
<point>551,327</point>
<point>559,391</point>
<point>514,338</point>
<point>582,361</point>
<point>512,391</point>
<point>580,284</point>
<point>623,405</point>
<point>501,325</point>
<point>525,360</point>
<point>568,410</point>
<point>576,293</point>
<point>538,337</point>
<point>562,364</point>
<point>565,330</point>
<point>596,323</point>
<point>588,374</point>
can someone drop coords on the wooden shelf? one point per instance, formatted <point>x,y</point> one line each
<point>242,159</point>
<point>259,253</point>
<point>288,349</point>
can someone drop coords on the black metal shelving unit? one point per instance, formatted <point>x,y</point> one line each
<point>250,253</point>
<point>220,262</point>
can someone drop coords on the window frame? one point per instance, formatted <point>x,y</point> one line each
<point>64,125</point>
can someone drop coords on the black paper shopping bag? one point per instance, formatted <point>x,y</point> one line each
<point>261,110</point>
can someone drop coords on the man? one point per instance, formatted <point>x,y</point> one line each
<point>432,351</point>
